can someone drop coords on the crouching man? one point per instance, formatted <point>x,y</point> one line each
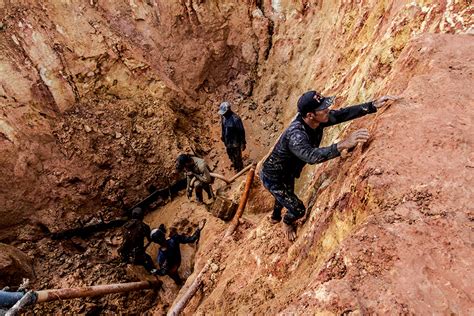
<point>197,175</point>
<point>169,255</point>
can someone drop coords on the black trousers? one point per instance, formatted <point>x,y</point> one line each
<point>174,275</point>
<point>235,156</point>
<point>138,256</point>
<point>199,186</point>
<point>284,195</point>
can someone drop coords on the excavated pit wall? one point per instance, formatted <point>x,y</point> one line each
<point>98,98</point>
<point>388,229</point>
<point>380,221</point>
<point>77,114</point>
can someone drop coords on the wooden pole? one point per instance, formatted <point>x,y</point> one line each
<point>220,177</point>
<point>180,304</point>
<point>63,294</point>
<point>28,299</point>
<point>183,301</point>
<point>243,202</point>
<point>241,172</point>
<point>229,181</point>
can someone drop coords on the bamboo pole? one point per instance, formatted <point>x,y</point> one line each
<point>243,202</point>
<point>183,301</point>
<point>57,294</point>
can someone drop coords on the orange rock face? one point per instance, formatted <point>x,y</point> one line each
<point>98,98</point>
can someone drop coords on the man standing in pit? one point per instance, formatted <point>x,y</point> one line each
<point>169,255</point>
<point>233,135</point>
<point>299,145</point>
<point>132,249</point>
<point>197,175</point>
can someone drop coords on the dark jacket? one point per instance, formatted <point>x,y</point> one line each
<point>299,144</point>
<point>170,259</point>
<point>233,132</point>
<point>135,231</point>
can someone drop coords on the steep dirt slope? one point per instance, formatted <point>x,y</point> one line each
<point>98,98</point>
<point>391,228</point>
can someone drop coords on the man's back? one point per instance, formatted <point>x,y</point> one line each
<point>171,255</point>
<point>233,133</point>
<point>135,233</point>
<point>201,170</point>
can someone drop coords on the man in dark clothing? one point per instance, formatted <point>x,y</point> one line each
<point>132,249</point>
<point>169,255</point>
<point>198,177</point>
<point>233,135</point>
<point>299,145</point>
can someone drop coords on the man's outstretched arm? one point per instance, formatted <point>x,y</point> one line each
<point>187,240</point>
<point>300,146</point>
<point>349,113</point>
<point>356,111</point>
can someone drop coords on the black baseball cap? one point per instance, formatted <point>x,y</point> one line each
<point>307,103</point>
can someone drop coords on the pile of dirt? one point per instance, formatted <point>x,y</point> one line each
<point>81,262</point>
<point>14,266</point>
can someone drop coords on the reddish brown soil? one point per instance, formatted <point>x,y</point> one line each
<point>87,126</point>
<point>389,229</point>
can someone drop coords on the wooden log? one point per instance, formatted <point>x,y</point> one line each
<point>164,194</point>
<point>179,306</point>
<point>87,230</point>
<point>220,177</point>
<point>229,181</point>
<point>243,202</point>
<point>28,299</point>
<point>98,290</point>
<point>241,172</point>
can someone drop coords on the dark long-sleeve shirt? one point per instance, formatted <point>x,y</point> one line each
<point>233,132</point>
<point>135,233</point>
<point>299,144</point>
<point>170,258</point>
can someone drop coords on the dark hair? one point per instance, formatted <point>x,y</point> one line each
<point>137,213</point>
<point>162,227</point>
<point>182,160</point>
<point>158,236</point>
